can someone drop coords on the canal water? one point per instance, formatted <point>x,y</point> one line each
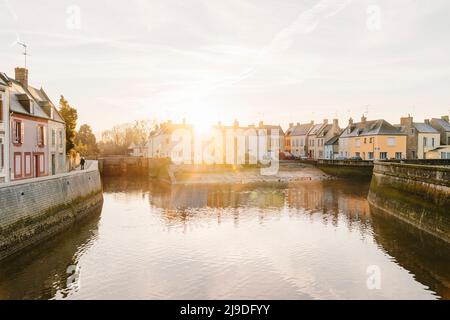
<point>308,240</point>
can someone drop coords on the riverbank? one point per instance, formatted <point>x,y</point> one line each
<point>288,172</point>
<point>36,209</point>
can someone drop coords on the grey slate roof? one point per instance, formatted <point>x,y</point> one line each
<point>37,98</point>
<point>372,128</point>
<point>332,141</point>
<point>424,128</point>
<point>442,123</point>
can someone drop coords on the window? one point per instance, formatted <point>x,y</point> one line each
<point>370,155</point>
<point>41,164</point>
<point>398,155</point>
<point>40,136</point>
<point>358,154</point>
<point>18,132</point>
<point>28,164</point>
<point>370,140</point>
<point>432,142</point>
<point>445,155</point>
<point>60,138</point>
<point>391,142</point>
<point>53,137</point>
<point>413,153</point>
<point>383,155</point>
<point>425,142</point>
<point>17,165</point>
<point>358,142</point>
<point>413,131</point>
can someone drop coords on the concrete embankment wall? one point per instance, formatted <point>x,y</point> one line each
<point>417,194</point>
<point>346,168</point>
<point>35,209</point>
<point>124,165</point>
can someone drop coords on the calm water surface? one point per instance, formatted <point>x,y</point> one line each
<point>311,240</point>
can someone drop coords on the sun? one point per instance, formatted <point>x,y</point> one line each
<point>202,119</point>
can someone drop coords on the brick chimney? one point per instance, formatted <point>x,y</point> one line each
<point>291,125</point>
<point>427,121</point>
<point>261,124</point>
<point>325,121</point>
<point>336,123</point>
<point>22,76</point>
<point>445,118</point>
<point>350,121</point>
<point>406,121</point>
<point>236,124</point>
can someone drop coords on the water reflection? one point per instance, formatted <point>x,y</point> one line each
<point>308,240</point>
<point>41,272</point>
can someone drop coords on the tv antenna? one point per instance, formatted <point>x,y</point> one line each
<point>25,51</point>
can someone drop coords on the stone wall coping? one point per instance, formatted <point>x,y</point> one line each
<point>91,166</point>
<point>412,166</point>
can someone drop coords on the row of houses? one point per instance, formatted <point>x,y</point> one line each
<point>32,132</point>
<point>366,140</point>
<point>371,139</point>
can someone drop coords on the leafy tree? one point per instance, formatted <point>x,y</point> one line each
<point>85,141</point>
<point>70,116</point>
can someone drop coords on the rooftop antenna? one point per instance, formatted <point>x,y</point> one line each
<point>25,52</point>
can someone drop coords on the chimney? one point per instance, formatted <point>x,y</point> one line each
<point>236,123</point>
<point>363,119</point>
<point>22,76</point>
<point>445,118</point>
<point>427,121</point>
<point>325,121</point>
<point>336,123</point>
<point>350,121</point>
<point>291,125</point>
<point>261,124</point>
<point>312,122</point>
<point>406,121</point>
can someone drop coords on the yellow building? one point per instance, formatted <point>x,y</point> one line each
<point>372,140</point>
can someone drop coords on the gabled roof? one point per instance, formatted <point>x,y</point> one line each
<point>332,141</point>
<point>301,129</point>
<point>315,129</point>
<point>442,123</point>
<point>371,128</point>
<point>424,128</point>
<point>22,96</point>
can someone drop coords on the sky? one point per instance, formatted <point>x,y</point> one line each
<point>251,60</point>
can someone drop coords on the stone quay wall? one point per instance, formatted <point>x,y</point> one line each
<point>35,209</point>
<point>417,194</point>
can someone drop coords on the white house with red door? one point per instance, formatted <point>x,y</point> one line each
<point>29,118</point>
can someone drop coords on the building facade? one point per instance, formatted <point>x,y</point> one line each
<point>372,140</point>
<point>443,127</point>
<point>318,138</point>
<point>29,118</point>
<point>299,139</point>
<point>421,137</point>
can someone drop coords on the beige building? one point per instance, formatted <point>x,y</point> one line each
<point>421,137</point>
<point>298,139</point>
<point>318,138</point>
<point>372,140</point>
<point>442,152</point>
<point>443,127</point>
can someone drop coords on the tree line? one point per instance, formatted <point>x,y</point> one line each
<point>115,141</point>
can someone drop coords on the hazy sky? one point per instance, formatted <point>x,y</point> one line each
<point>275,60</point>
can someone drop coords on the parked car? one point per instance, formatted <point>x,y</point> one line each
<point>357,158</point>
<point>340,158</point>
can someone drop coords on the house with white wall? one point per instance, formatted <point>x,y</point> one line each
<point>29,118</point>
<point>4,129</point>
